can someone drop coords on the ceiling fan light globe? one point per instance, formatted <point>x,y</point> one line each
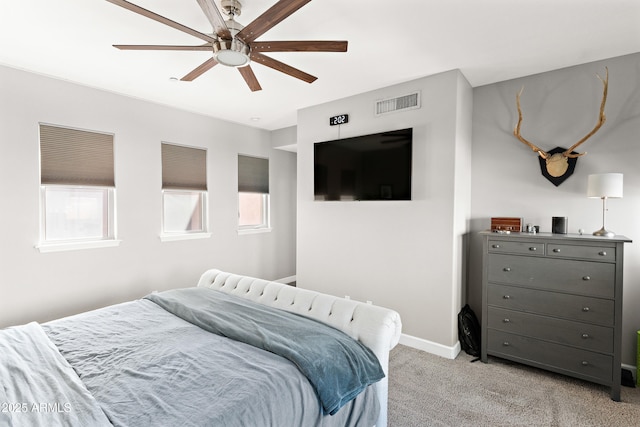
<point>231,58</point>
<point>232,53</point>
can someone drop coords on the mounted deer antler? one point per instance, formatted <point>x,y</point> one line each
<point>559,163</point>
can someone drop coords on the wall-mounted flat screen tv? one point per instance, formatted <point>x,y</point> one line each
<point>367,167</point>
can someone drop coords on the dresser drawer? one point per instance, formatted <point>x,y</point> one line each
<point>579,308</point>
<point>577,334</point>
<point>585,364</point>
<point>596,253</point>
<point>578,277</point>
<point>516,247</point>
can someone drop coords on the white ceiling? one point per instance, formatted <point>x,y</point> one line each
<point>390,42</point>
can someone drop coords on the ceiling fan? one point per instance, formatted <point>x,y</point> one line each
<point>234,45</point>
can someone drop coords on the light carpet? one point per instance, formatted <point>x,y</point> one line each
<point>428,390</point>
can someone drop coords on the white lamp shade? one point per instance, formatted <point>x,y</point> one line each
<point>604,185</point>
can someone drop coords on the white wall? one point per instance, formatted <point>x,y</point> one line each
<point>405,255</point>
<point>40,286</point>
<point>560,107</point>
<point>285,138</point>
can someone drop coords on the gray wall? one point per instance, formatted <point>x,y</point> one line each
<point>560,107</point>
<point>406,255</point>
<point>40,286</point>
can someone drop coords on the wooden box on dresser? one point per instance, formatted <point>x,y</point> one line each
<point>554,301</point>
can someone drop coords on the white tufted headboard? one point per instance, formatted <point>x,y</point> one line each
<point>376,327</point>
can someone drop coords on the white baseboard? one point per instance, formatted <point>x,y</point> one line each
<point>430,346</point>
<point>286,280</point>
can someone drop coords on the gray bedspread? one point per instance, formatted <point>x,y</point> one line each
<point>338,367</point>
<point>148,367</point>
<point>37,385</point>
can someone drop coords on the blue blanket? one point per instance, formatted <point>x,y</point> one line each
<point>337,366</point>
<point>38,387</point>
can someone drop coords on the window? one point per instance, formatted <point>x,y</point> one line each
<point>77,189</point>
<point>253,193</point>
<point>253,210</point>
<point>184,192</point>
<point>73,213</point>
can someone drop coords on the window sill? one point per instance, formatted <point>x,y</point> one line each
<point>73,246</point>
<point>186,236</point>
<point>254,230</point>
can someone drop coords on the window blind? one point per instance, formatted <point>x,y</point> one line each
<point>184,168</point>
<point>75,157</point>
<point>253,174</point>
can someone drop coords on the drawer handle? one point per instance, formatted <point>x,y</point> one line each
<point>533,248</point>
<point>507,269</point>
<point>602,253</point>
<point>585,309</point>
<point>586,278</point>
<point>506,344</point>
<point>508,297</point>
<point>556,250</point>
<point>506,320</point>
<point>585,363</point>
<point>495,246</point>
<point>585,336</point>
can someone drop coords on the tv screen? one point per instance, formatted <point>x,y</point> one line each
<point>367,167</point>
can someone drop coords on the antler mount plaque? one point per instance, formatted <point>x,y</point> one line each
<point>558,164</point>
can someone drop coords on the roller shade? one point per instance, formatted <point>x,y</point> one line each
<point>184,168</point>
<point>253,174</point>
<point>75,157</point>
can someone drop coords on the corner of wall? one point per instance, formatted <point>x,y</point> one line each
<point>448,352</point>
<point>285,138</point>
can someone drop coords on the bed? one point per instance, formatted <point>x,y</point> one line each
<point>231,351</point>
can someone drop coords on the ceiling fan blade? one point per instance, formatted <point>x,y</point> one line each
<point>282,67</point>
<point>215,18</point>
<point>144,12</point>
<point>274,15</point>
<point>250,78</point>
<point>203,47</point>
<point>300,46</point>
<point>199,70</point>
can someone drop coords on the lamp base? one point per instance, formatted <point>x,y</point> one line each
<point>604,233</point>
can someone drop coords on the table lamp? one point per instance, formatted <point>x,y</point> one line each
<point>604,186</point>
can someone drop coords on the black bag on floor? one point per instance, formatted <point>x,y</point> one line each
<point>469,332</point>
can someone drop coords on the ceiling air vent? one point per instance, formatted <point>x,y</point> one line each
<point>406,102</point>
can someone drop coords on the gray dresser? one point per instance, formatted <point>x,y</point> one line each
<point>555,302</point>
